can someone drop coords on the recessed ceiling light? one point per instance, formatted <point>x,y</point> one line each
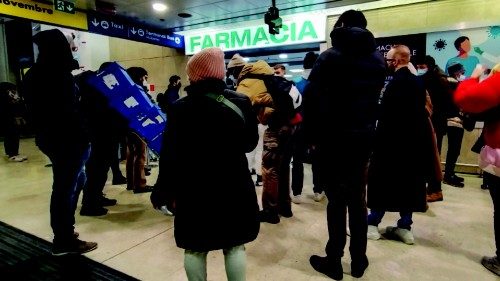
<point>160,7</point>
<point>184,15</point>
<point>283,56</point>
<point>287,76</point>
<point>296,70</point>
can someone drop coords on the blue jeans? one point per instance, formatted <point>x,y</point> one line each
<point>375,217</point>
<point>68,169</point>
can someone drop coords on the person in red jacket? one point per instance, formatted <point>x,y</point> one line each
<point>483,97</point>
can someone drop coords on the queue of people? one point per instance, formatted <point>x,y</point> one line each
<point>230,117</point>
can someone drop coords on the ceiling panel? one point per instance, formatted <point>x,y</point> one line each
<point>236,6</point>
<point>210,12</point>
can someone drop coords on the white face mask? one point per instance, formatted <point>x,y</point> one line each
<point>461,78</point>
<point>421,71</point>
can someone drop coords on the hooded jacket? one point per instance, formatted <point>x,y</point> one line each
<point>51,95</point>
<point>344,88</point>
<point>256,90</point>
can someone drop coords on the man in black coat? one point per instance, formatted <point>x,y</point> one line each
<point>399,171</point>
<point>347,115</point>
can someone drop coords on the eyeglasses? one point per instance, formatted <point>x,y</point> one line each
<point>388,60</point>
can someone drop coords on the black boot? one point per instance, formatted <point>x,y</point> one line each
<point>332,269</point>
<point>453,181</point>
<point>358,267</point>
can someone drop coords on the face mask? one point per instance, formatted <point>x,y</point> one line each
<point>421,71</point>
<point>461,78</point>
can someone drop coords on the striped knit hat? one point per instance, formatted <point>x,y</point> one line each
<point>208,63</point>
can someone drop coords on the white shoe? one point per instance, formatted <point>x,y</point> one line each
<point>373,233</point>
<point>16,158</point>
<point>297,199</point>
<point>23,156</point>
<point>318,196</point>
<point>404,235</point>
<point>166,211</point>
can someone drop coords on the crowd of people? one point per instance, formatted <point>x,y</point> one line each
<point>251,120</point>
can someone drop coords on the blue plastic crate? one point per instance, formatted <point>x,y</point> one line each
<point>149,124</point>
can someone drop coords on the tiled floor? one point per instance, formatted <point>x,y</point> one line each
<point>138,240</point>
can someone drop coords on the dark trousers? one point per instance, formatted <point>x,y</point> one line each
<point>11,141</point>
<point>299,156</point>
<point>68,168</point>
<point>345,189</point>
<point>115,160</point>
<point>455,136</point>
<point>299,150</point>
<point>494,187</point>
<point>97,168</point>
<point>405,221</point>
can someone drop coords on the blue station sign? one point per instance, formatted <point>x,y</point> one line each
<point>116,28</point>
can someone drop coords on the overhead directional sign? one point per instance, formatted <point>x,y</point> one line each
<point>41,12</point>
<point>64,6</point>
<point>117,28</point>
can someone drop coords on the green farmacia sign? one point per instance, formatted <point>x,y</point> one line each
<point>293,32</point>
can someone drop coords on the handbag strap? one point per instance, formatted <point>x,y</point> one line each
<point>220,98</point>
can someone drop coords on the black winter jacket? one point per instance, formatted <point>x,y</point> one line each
<point>203,168</point>
<point>344,88</point>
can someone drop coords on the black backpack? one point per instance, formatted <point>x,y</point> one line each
<point>279,88</point>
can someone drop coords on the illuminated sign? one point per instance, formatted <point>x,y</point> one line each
<point>294,31</point>
<point>43,13</point>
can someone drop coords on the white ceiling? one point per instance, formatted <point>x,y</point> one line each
<point>210,12</point>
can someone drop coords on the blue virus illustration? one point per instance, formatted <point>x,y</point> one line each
<point>440,44</point>
<point>494,32</point>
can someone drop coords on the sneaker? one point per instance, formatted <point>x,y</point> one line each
<point>402,234</point>
<point>74,247</point>
<point>332,269</point>
<point>265,216</point>
<point>436,196</point>
<point>253,172</point>
<point>258,181</point>
<point>492,264</point>
<point>358,267</point>
<point>106,202</point>
<point>318,196</point>
<point>484,186</point>
<point>297,199</point>
<point>373,233</point>
<point>93,212</point>
<point>16,158</point>
<point>166,211</point>
<point>119,180</point>
<point>23,156</point>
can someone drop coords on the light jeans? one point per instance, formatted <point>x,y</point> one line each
<point>195,264</point>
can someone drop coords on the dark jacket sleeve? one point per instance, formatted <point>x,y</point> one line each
<point>250,135</point>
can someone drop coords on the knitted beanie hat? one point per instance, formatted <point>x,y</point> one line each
<point>208,63</point>
<point>235,61</point>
